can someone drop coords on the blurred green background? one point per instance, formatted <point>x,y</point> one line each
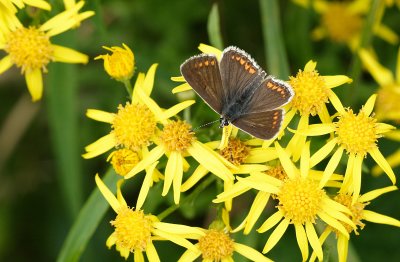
<point>43,179</point>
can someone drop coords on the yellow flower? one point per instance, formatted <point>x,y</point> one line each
<point>358,213</point>
<point>387,102</point>
<point>217,245</point>
<point>135,231</point>
<point>342,22</point>
<point>357,134</point>
<point>30,48</point>
<point>312,92</point>
<point>301,202</point>
<point>120,65</point>
<point>134,126</point>
<point>176,141</point>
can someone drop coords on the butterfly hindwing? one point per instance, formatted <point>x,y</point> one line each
<point>271,94</point>
<point>203,75</point>
<point>263,125</point>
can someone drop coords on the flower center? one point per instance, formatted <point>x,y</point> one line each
<point>29,49</point>
<point>177,136</point>
<point>300,200</point>
<point>235,152</point>
<point>356,133</point>
<point>341,24</point>
<point>133,126</point>
<point>277,172</point>
<point>356,211</point>
<point>123,160</point>
<point>132,229</point>
<point>216,245</point>
<point>311,92</point>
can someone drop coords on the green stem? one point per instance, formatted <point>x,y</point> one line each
<point>365,39</point>
<point>128,87</point>
<point>200,188</point>
<point>277,63</point>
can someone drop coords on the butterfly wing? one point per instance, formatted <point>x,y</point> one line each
<point>240,75</point>
<point>202,74</point>
<point>271,94</point>
<point>263,125</point>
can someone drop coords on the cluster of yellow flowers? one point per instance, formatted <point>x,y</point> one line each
<point>306,191</point>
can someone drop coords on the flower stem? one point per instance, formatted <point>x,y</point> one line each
<point>200,188</point>
<point>128,87</point>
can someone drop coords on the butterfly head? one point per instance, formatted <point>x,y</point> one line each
<point>223,122</point>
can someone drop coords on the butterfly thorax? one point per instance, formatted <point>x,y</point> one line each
<point>223,122</point>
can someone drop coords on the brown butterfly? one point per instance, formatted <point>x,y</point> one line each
<point>239,91</point>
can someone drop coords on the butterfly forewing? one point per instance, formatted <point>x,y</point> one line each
<point>263,125</point>
<point>271,94</point>
<point>240,75</point>
<point>203,75</point>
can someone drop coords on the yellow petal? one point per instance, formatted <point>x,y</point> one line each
<point>376,193</point>
<point>335,102</point>
<point>313,239</point>
<point>286,163</point>
<point>328,204</point>
<point>148,83</point>
<point>316,130</point>
<point>182,230</point>
<point>5,64</point>
<point>138,85</point>
<point>276,235</point>
<point>383,128</point>
<point>138,255</point>
<point>176,109</point>
<point>374,217</point>
<point>381,74</point>
<point>322,152</point>
<point>202,155</point>
<point>383,163</point>
<point>369,105</point>
<point>398,67</point>
<point>190,255</point>
<point>330,218</point>
<point>302,241</point>
<point>337,80</point>
<point>100,146</point>
<point>181,88</point>
<point>100,115</point>
<point>357,177</point>
<point>178,79</point>
<point>324,115</point>
<point>250,253</point>
<point>152,105</point>
<point>259,184</point>
<point>198,174</point>
<point>258,206</point>
<point>174,238</point>
<point>151,252</point>
<point>152,157</point>
<point>261,155</point>
<point>331,166</point>
<point>305,160</point>
<point>147,182</point>
<point>226,133</point>
<point>247,169</point>
<point>39,4</point>
<point>207,49</point>
<point>35,83</point>
<point>343,248</point>
<point>68,55</point>
<point>271,222</point>
<point>386,34</point>
<point>236,190</point>
<point>310,66</point>
<point>177,182</point>
<point>108,195</point>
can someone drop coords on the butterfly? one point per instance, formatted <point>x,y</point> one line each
<point>239,91</point>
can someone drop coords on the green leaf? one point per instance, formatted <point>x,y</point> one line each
<point>213,28</point>
<point>88,219</point>
<point>273,39</point>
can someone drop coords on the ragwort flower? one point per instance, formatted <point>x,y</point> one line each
<point>30,48</point>
<point>301,201</point>
<point>135,231</point>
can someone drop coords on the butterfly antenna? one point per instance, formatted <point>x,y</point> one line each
<point>206,124</point>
